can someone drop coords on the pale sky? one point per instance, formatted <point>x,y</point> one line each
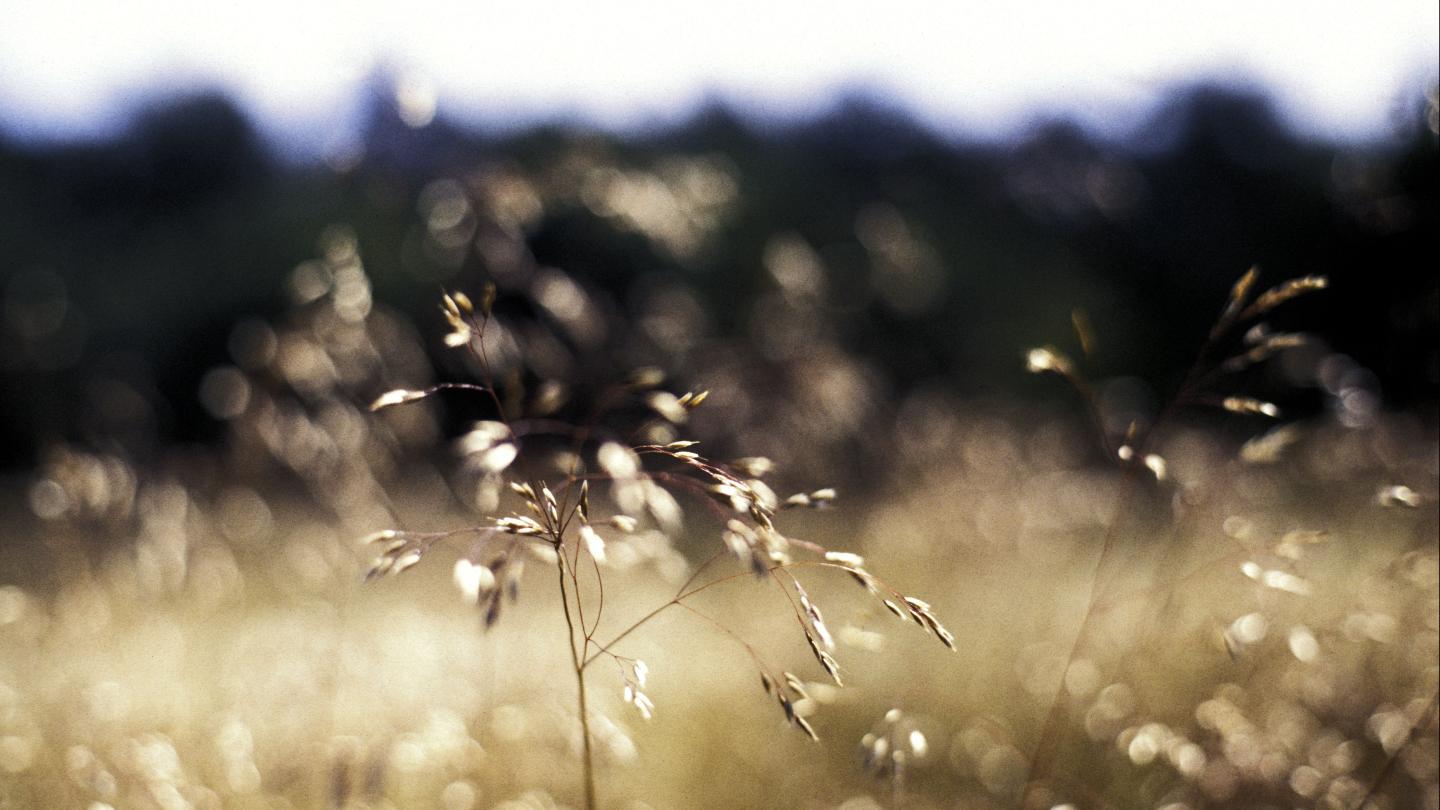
<point>71,66</point>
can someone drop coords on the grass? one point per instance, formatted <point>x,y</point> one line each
<point>1260,629</point>
<point>292,682</point>
<point>647,495</point>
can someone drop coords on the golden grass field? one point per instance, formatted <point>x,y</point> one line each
<point>174,644</point>
<point>1245,616</point>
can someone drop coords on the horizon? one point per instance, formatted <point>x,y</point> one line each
<point>964,73</point>
<point>1141,128</point>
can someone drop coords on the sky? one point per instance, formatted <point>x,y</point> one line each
<point>1339,69</point>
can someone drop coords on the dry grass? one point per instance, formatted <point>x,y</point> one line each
<point>1258,629</point>
<point>271,676</point>
<point>648,473</point>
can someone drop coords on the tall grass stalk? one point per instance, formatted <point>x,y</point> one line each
<point>1136,454</point>
<point>647,470</point>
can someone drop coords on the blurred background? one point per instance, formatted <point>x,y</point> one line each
<point>944,190</point>
<point>224,230</point>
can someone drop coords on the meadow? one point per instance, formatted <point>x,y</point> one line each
<point>1249,622</point>
<point>829,465</point>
